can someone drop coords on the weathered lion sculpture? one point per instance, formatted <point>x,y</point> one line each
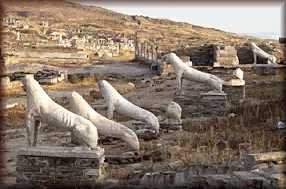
<point>104,126</point>
<point>116,102</point>
<point>183,71</point>
<point>41,108</point>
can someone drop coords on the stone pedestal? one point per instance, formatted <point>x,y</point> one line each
<point>264,69</point>
<point>213,103</point>
<point>235,93</point>
<point>201,104</point>
<point>59,166</point>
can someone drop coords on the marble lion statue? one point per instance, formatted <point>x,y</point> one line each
<point>104,126</point>
<point>259,52</point>
<point>41,108</point>
<point>183,71</point>
<point>116,102</point>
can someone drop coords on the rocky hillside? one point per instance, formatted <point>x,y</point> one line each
<point>166,34</point>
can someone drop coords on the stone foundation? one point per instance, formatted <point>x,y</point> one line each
<point>234,94</point>
<point>59,166</point>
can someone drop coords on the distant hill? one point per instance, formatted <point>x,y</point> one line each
<point>264,35</point>
<point>167,34</point>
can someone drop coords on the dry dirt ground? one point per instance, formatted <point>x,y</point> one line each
<point>205,139</point>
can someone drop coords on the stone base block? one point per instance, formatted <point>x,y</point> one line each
<point>264,69</point>
<point>235,94</point>
<point>213,95</point>
<point>59,166</point>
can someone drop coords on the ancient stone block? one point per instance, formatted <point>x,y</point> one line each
<point>225,56</point>
<point>51,166</point>
<point>252,159</point>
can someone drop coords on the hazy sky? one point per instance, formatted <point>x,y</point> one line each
<point>233,18</point>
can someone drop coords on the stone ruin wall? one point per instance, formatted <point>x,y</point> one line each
<point>200,56</point>
<point>204,56</point>
<point>100,43</point>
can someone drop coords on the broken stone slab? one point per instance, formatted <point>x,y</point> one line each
<point>252,159</point>
<point>248,179</point>
<point>176,179</point>
<point>268,169</point>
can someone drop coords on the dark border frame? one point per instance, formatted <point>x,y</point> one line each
<point>282,39</point>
